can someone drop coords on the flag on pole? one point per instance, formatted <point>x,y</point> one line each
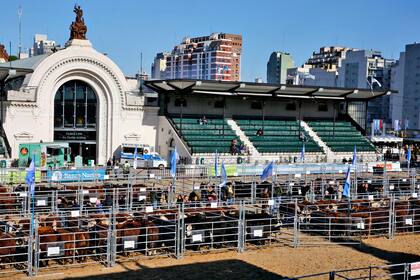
<point>346,189</point>
<point>30,176</point>
<point>223,174</point>
<point>354,156</point>
<point>135,158</point>
<point>174,158</point>
<point>302,153</point>
<point>216,163</point>
<point>268,171</point>
<point>409,156</point>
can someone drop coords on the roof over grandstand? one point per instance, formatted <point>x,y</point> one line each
<point>232,88</point>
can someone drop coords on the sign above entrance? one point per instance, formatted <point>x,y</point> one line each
<point>71,135</point>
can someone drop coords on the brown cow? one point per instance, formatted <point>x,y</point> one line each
<point>7,248</point>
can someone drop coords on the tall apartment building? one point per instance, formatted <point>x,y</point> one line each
<point>214,57</point>
<point>405,105</point>
<point>277,66</point>
<point>42,45</point>
<point>159,65</point>
<point>328,58</point>
<point>357,70</point>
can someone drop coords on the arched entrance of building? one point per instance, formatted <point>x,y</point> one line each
<point>75,119</point>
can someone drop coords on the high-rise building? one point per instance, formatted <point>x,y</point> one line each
<point>277,66</point>
<point>328,58</point>
<point>159,65</point>
<point>309,76</point>
<point>368,69</point>
<point>214,57</point>
<point>42,45</point>
<point>405,105</point>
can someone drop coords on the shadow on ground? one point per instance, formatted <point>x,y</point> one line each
<point>226,269</point>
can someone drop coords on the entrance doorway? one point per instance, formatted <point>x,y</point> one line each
<point>86,151</point>
<point>75,119</point>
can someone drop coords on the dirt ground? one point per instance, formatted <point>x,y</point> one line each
<point>263,263</point>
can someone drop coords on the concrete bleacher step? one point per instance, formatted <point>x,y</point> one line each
<point>330,154</point>
<point>242,137</point>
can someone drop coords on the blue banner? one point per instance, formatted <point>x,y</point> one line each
<point>81,175</point>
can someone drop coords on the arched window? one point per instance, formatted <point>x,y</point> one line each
<point>75,106</point>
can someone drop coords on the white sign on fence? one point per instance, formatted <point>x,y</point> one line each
<point>298,175</point>
<point>142,197</point>
<point>129,244</point>
<point>151,175</point>
<point>196,188</point>
<point>291,184</point>
<point>213,205</point>
<point>391,187</point>
<point>370,197</point>
<point>414,195</point>
<point>23,194</point>
<point>41,202</point>
<point>270,202</point>
<point>197,238</point>
<point>85,191</point>
<point>142,189</point>
<point>415,268</point>
<point>331,182</point>
<point>369,181</point>
<point>149,209</point>
<point>75,213</point>
<point>53,251</point>
<point>361,225</point>
<point>409,221</point>
<point>258,233</point>
<point>404,180</point>
<point>93,199</point>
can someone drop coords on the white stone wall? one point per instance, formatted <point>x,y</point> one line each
<point>121,115</point>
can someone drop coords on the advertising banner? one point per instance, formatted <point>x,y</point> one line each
<point>78,175</point>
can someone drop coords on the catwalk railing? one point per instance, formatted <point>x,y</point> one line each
<point>39,243</point>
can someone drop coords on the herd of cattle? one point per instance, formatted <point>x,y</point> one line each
<point>68,235</point>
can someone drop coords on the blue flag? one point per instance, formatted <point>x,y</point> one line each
<point>268,171</point>
<point>408,157</point>
<point>346,189</point>
<point>216,163</point>
<point>135,158</point>
<point>223,174</point>
<point>354,156</point>
<point>302,153</point>
<point>30,176</point>
<point>174,158</point>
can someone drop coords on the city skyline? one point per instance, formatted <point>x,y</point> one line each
<point>126,30</point>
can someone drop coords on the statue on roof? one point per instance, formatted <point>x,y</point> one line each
<point>4,57</point>
<point>78,28</point>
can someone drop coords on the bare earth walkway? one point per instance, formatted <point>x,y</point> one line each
<point>268,263</point>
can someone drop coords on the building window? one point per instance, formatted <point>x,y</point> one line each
<point>180,102</point>
<point>75,106</point>
<point>291,106</point>
<point>322,107</point>
<point>219,104</point>
<point>256,105</point>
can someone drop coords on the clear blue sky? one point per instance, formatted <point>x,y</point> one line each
<point>123,29</point>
